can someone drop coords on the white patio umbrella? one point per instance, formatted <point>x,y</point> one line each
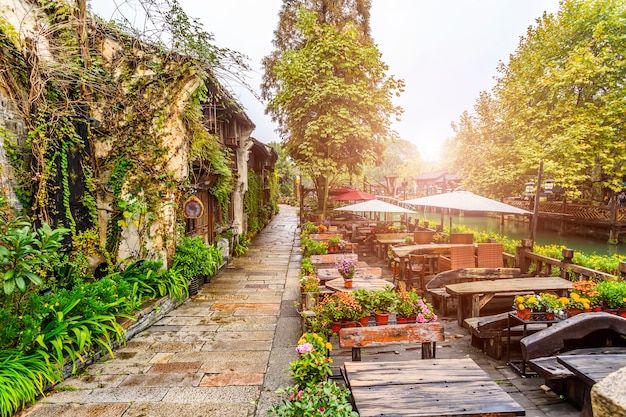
<point>375,205</point>
<point>465,201</point>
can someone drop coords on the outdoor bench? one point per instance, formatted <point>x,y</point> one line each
<point>488,332</point>
<point>436,287</point>
<point>425,333</point>
<point>585,333</point>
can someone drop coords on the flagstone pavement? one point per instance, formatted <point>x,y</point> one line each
<point>224,352</point>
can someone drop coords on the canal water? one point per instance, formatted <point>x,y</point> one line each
<point>521,230</point>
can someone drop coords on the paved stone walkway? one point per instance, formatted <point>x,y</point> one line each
<point>221,353</point>
<point>224,352</point>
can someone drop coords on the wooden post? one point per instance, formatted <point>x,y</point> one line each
<point>521,260</point>
<point>622,269</point>
<point>533,231</point>
<point>567,254</point>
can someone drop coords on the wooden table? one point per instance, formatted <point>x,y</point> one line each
<point>332,258</point>
<point>358,283</point>
<point>476,294</point>
<point>366,272</point>
<point>323,237</point>
<point>591,369</point>
<point>432,250</point>
<point>428,387</point>
<point>383,242</point>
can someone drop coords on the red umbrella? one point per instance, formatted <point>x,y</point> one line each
<point>353,195</point>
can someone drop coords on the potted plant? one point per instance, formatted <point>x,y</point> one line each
<point>422,310</point>
<point>525,304</point>
<point>364,298</point>
<point>613,295</point>
<point>383,302</point>
<point>405,308</point>
<point>577,304</point>
<point>339,309</point>
<point>347,268</point>
<point>552,304</point>
<point>333,244</point>
<point>587,289</point>
<point>309,288</point>
<point>313,364</point>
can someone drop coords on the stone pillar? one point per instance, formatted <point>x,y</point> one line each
<point>608,397</point>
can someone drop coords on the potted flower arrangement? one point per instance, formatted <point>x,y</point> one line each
<point>577,304</point>
<point>313,365</point>
<point>333,244</point>
<point>364,298</point>
<point>423,310</point>
<point>383,303</point>
<point>310,288</point>
<point>613,296</point>
<point>405,307</point>
<point>525,304</point>
<point>587,289</point>
<point>347,268</point>
<point>553,304</point>
<point>339,309</point>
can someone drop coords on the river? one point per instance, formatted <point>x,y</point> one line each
<point>521,230</point>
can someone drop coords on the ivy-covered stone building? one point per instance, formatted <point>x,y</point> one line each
<point>127,144</point>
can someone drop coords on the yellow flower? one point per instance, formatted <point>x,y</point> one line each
<point>575,296</point>
<point>532,300</point>
<point>329,346</point>
<point>521,306</point>
<point>564,301</point>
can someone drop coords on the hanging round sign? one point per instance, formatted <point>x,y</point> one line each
<point>193,208</point>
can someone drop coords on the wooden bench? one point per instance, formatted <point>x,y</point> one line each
<point>586,333</point>
<point>425,333</point>
<point>436,287</point>
<point>488,332</point>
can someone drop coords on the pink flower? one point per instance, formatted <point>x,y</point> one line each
<point>299,394</point>
<point>303,348</point>
<point>322,408</point>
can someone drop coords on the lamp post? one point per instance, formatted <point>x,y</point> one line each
<point>533,230</point>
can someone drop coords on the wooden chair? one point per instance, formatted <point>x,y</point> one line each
<point>489,255</point>
<point>417,265</point>
<point>460,257</point>
<point>423,236</point>
<point>461,237</point>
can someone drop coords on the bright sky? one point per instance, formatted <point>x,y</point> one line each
<point>447,52</point>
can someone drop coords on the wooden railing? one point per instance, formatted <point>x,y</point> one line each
<point>544,265</point>
<point>576,211</point>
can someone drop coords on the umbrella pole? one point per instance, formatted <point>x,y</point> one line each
<point>450,216</point>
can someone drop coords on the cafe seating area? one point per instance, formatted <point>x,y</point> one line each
<point>469,283</point>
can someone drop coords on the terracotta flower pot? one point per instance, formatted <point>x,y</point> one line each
<point>348,283</point>
<point>402,320</point>
<point>335,326</point>
<point>382,319</point>
<point>571,312</point>
<point>524,314</point>
<point>364,321</point>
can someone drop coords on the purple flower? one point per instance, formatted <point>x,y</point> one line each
<point>303,348</point>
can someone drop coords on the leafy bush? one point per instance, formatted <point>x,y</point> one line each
<point>22,378</point>
<point>320,400</point>
<point>193,258</point>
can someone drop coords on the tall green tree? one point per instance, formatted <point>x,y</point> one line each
<point>333,101</point>
<point>560,99</point>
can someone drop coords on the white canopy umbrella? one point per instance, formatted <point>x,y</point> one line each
<point>375,205</point>
<point>465,201</point>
